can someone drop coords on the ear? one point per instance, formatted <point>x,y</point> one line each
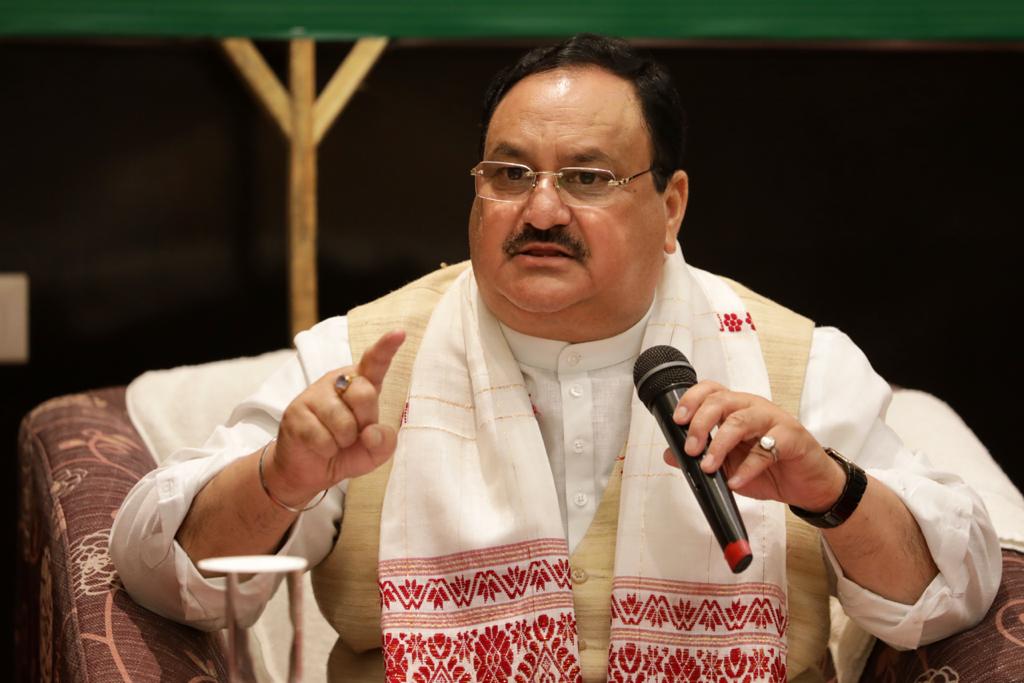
<point>676,194</point>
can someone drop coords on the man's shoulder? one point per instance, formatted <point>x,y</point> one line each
<point>436,283</point>
<point>328,329</point>
<point>408,308</point>
<point>755,302</point>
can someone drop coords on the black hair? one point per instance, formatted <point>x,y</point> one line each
<point>662,108</point>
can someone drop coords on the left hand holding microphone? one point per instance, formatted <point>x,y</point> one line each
<point>766,453</point>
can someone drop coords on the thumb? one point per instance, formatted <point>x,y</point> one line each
<point>379,441</point>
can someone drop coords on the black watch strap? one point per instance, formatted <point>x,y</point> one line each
<point>856,482</point>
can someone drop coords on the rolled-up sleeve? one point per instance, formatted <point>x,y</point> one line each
<point>844,405</point>
<point>155,570</point>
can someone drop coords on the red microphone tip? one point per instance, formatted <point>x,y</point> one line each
<point>738,555</point>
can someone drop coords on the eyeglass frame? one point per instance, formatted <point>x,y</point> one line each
<point>556,175</point>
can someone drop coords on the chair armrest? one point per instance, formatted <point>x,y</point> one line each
<point>991,651</point>
<point>78,457</point>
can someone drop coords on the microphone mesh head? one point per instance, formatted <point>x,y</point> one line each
<point>661,380</point>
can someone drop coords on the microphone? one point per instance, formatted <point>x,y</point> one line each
<point>662,374</point>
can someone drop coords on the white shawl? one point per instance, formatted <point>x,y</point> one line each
<point>474,566</point>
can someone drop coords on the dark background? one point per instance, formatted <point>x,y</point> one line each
<point>143,191</point>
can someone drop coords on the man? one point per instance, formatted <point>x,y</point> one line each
<point>521,442</point>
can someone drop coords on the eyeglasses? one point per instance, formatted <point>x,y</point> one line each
<point>501,181</point>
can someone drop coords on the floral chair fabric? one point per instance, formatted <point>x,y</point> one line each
<point>79,456</point>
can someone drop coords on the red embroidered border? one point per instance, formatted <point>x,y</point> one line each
<point>499,614</point>
<point>525,650</point>
<point>505,614</point>
<point>699,614</point>
<point>684,631</point>
<point>472,559</point>
<point>633,663</point>
<point>698,607</point>
<point>467,581</point>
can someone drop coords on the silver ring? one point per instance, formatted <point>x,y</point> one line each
<point>767,444</point>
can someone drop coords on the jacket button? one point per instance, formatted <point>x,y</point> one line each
<point>579,575</point>
<point>583,645</point>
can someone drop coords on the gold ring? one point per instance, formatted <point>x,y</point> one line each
<point>767,444</point>
<point>343,383</point>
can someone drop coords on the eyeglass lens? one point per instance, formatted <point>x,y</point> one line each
<point>513,182</point>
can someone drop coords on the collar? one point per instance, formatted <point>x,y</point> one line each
<point>563,357</point>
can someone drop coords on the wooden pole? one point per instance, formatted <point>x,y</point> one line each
<point>304,119</point>
<point>358,62</point>
<point>261,80</point>
<point>302,187</point>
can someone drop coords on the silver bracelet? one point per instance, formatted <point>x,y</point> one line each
<point>274,499</point>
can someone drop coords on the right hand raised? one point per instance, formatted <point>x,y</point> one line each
<point>325,438</point>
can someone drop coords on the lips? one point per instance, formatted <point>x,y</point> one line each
<point>545,250</point>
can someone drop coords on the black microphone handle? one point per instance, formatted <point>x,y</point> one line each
<point>713,494</point>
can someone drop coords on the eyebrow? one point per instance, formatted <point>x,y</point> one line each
<point>584,156</point>
<point>505,149</point>
<point>589,155</point>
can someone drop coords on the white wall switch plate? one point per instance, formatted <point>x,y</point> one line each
<point>13,318</point>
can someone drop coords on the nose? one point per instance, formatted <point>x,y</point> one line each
<point>544,207</point>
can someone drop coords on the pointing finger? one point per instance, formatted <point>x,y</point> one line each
<point>377,359</point>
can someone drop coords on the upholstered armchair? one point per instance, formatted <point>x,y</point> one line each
<point>79,456</point>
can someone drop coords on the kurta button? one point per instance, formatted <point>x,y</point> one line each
<point>579,575</point>
<point>576,391</point>
<point>573,358</point>
<point>577,445</point>
<point>580,499</point>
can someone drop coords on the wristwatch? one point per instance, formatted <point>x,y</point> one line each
<point>856,482</point>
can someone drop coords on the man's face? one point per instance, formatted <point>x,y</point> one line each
<point>568,272</point>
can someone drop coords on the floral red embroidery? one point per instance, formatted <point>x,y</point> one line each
<point>733,322</point>
<point>440,663</point>
<point>680,665</point>
<point>499,614</point>
<point>493,655</point>
<point>688,614</point>
<point>629,663</point>
<point>548,656</point>
<point>684,631</point>
<point>395,657</point>
<point>505,614</point>
<point>489,585</point>
<point>543,652</point>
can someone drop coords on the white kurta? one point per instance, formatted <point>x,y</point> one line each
<point>581,394</point>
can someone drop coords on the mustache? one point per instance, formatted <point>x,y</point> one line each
<point>558,235</point>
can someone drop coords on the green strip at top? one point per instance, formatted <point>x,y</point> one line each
<point>916,20</point>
